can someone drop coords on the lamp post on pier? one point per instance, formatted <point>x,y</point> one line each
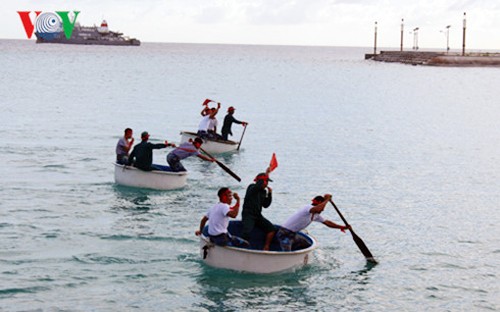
<point>375,41</point>
<point>402,31</point>
<point>447,34</point>
<point>415,38</point>
<point>463,38</point>
<point>448,39</point>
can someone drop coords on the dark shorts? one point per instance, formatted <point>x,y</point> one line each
<point>202,134</point>
<point>227,239</point>
<point>122,160</point>
<point>249,222</point>
<point>290,240</point>
<point>175,163</point>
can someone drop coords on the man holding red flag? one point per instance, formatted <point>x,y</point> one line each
<point>258,196</point>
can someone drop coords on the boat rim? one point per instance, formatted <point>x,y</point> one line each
<point>180,173</point>
<point>313,246</point>
<point>228,142</point>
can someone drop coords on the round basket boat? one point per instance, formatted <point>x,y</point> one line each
<point>211,146</point>
<point>156,180</point>
<point>254,259</point>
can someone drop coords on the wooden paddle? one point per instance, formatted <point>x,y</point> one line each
<point>361,245</point>
<point>226,169</point>
<point>241,139</point>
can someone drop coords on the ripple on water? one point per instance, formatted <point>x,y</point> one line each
<point>123,237</point>
<point>97,259</point>
<point>26,290</point>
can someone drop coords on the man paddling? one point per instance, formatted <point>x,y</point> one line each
<point>184,151</point>
<point>287,234</point>
<point>218,218</point>
<point>228,121</point>
<point>142,154</point>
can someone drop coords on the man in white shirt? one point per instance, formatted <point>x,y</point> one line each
<point>219,220</point>
<point>208,124</point>
<point>287,234</point>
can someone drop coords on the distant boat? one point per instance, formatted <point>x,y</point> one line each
<point>89,35</point>
<point>210,145</point>
<point>156,180</point>
<point>253,260</point>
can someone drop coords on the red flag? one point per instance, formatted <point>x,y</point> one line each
<point>206,102</point>
<point>274,163</point>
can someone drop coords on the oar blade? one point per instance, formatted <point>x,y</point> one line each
<point>241,139</point>
<point>362,247</point>
<point>359,242</point>
<point>226,169</point>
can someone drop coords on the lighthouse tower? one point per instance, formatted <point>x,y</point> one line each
<point>104,27</point>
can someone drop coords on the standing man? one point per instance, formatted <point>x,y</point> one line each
<point>287,234</point>
<point>258,196</point>
<point>218,217</point>
<point>184,151</point>
<point>123,147</point>
<point>228,121</point>
<point>142,154</point>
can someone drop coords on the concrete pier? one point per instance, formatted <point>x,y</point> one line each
<point>436,58</point>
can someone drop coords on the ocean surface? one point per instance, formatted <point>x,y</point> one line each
<point>411,155</point>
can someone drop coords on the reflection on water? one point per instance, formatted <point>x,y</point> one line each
<point>228,158</point>
<point>362,276</point>
<point>225,290</point>
<point>368,267</point>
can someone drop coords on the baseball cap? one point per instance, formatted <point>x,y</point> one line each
<point>262,176</point>
<point>144,134</point>
<point>319,198</point>
<point>230,109</point>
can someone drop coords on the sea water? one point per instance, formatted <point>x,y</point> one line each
<point>410,154</point>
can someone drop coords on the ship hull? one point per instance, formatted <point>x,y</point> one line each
<point>88,35</point>
<point>131,42</point>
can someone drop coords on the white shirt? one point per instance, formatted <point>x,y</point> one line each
<point>301,219</point>
<point>212,124</point>
<point>218,220</point>
<point>204,123</point>
<point>121,147</point>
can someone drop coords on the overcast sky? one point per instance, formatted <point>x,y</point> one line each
<point>280,22</point>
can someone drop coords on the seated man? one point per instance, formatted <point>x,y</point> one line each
<point>218,217</point>
<point>287,234</point>
<point>184,151</point>
<point>142,154</point>
<point>123,147</point>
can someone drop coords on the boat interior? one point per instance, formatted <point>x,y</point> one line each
<point>257,237</point>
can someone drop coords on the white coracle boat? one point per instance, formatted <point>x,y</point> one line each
<point>210,145</point>
<point>253,260</point>
<point>156,179</point>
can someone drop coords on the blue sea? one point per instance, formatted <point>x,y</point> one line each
<point>411,155</point>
